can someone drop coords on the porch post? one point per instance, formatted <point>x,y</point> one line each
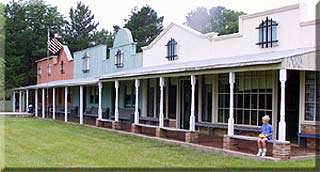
<point>282,123</point>
<point>116,108</point>
<point>81,104</point>
<point>36,102</point>
<point>20,101</point>
<point>65,104</point>
<point>14,101</point>
<point>54,103</point>
<point>192,115</point>
<point>27,100</point>
<point>231,110</point>
<point>100,100</point>
<point>136,112</point>
<point>43,107</point>
<point>161,103</point>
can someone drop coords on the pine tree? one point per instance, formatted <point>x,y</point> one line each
<point>80,30</point>
<point>144,25</point>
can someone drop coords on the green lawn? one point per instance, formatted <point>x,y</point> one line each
<point>31,142</point>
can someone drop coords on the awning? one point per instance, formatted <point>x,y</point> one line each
<point>215,63</point>
<point>63,83</point>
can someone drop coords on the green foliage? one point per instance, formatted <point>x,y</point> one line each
<point>80,30</point>
<point>26,28</point>
<point>103,37</point>
<point>216,19</point>
<point>2,95</point>
<point>144,25</point>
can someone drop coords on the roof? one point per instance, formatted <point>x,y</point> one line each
<point>63,83</point>
<point>214,63</point>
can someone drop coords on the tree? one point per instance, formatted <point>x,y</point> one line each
<point>103,37</point>
<point>216,19</point>
<point>144,25</point>
<point>26,25</point>
<point>79,31</point>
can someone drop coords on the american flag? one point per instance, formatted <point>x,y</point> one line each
<point>54,46</point>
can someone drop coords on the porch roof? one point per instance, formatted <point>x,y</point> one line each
<point>214,63</point>
<point>63,83</point>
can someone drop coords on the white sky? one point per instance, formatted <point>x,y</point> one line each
<point>112,12</point>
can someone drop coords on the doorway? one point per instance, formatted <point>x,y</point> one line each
<point>292,105</point>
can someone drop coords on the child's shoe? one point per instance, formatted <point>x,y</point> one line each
<point>264,152</point>
<point>259,153</point>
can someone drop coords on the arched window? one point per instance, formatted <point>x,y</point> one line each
<point>267,33</point>
<point>171,49</point>
<point>119,59</point>
<point>86,62</point>
<point>62,67</point>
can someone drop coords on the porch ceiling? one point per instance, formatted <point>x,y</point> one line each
<point>212,64</point>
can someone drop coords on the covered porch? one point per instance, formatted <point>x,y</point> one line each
<point>219,103</point>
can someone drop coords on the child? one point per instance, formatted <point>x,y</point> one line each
<point>264,136</point>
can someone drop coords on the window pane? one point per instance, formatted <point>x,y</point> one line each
<point>220,115</point>
<point>246,117</point>
<point>239,117</point>
<point>254,117</point>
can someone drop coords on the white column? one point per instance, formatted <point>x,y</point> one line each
<point>36,102</point>
<point>20,101</point>
<point>54,103</point>
<point>65,104</point>
<point>81,104</point>
<point>231,110</point>
<point>136,112</point>
<point>192,114</point>
<point>43,107</point>
<point>100,101</point>
<point>161,103</point>
<point>116,108</point>
<point>27,100</point>
<point>13,101</point>
<point>282,123</point>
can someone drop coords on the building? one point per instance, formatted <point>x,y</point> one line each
<point>188,86</point>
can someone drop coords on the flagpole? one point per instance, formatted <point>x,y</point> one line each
<point>48,37</point>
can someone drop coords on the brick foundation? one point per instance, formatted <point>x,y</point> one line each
<point>160,133</point>
<point>230,143</point>
<point>192,137</point>
<point>135,128</point>
<point>281,150</point>
<point>310,129</point>
<point>116,125</point>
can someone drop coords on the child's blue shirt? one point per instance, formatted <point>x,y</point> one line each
<point>267,129</point>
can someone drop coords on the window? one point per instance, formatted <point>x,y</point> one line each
<point>267,33</point>
<point>39,71</point>
<point>94,95</point>
<point>252,97</point>
<point>119,59</point>
<point>108,53</point>
<point>49,69</point>
<point>171,49</point>
<point>129,97</point>
<point>86,63</point>
<point>312,96</point>
<point>62,67</point>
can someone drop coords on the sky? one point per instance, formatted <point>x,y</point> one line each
<point>113,12</point>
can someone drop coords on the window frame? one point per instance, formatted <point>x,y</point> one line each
<point>119,59</point>
<point>172,50</point>
<point>86,63</point>
<point>251,109</point>
<point>266,38</point>
<point>314,99</point>
<point>62,67</point>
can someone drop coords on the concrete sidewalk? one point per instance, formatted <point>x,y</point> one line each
<point>15,114</point>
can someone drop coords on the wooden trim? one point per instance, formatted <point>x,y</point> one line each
<point>215,81</point>
<point>200,87</point>
<point>301,99</point>
<point>275,105</point>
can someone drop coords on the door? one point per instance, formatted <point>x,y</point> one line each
<point>185,103</point>
<point>292,105</point>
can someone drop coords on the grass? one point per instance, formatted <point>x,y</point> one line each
<point>31,142</point>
